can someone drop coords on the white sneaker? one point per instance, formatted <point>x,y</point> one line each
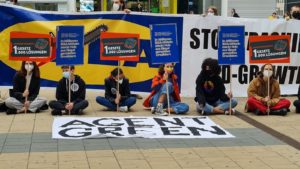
<point>123,109</point>
<point>160,111</point>
<point>228,113</point>
<point>152,110</point>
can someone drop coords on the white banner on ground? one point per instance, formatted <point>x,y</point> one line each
<point>200,41</point>
<point>146,127</point>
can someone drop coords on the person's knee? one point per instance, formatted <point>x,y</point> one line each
<point>182,108</point>
<point>168,85</point>
<point>234,102</point>
<point>100,99</point>
<point>52,104</point>
<point>11,102</point>
<point>85,104</point>
<point>132,100</point>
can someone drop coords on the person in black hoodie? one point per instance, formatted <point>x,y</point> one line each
<point>26,88</point>
<point>210,90</point>
<point>77,101</point>
<point>112,96</point>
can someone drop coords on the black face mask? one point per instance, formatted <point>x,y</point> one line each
<point>296,15</point>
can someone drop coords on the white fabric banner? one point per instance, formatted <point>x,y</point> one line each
<point>200,36</point>
<point>146,127</point>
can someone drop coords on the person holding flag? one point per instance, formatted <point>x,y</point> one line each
<point>77,101</point>
<point>117,94</point>
<point>26,88</point>
<point>162,84</point>
<point>210,90</point>
<point>260,100</point>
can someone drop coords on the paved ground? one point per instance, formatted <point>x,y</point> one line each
<point>25,142</point>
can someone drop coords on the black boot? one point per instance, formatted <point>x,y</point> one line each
<point>11,111</point>
<point>257,112</point>
<point>56,112</point>
<point>280,112</point>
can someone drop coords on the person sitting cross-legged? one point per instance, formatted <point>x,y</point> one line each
<point>113,96</point>
<point>77,92</point>
<point>162,84</point>
<point>259,102</point>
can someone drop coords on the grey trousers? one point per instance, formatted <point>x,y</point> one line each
<point>13,103</point>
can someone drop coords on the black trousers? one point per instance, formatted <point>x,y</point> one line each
<point>60,105</point>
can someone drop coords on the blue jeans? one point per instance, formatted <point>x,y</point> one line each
<point>178,107</point>
<point>208,108</point>
<point>130,101</point>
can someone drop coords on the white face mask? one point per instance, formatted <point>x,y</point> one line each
<point>268,73</point>
<point>66,75</point>
<point>115,7</point>
<point>29,67</point>
<point>210,14</point>
<point>121,81</point>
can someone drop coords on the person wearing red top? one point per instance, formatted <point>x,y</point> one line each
<point>158,97</point>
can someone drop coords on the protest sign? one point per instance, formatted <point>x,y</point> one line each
<point>119,46</point>
<point>146,127</point>
<point>69,45</point>
<point>164,43</point>
<point>29,47</point>
<point>231,45</point>
<point>269,49</point>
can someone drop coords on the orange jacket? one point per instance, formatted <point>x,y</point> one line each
<point>158,80</point>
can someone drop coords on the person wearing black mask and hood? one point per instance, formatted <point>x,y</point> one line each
<point>210,90</point>
<point>295,12</point>
<point>77,89</point>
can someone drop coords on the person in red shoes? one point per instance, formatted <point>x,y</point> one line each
<point>259,101</point>
<point>157,100</point>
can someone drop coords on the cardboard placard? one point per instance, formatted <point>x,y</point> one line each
<point>70,45</point>
<point>269,49</point>
<point>164,43</point>
<point>30,47</point>
<point>119,46</point>
<point>231,48</point>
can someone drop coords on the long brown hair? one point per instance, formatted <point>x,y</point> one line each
<point>35,71</point>
<point>161,69</point>
<point>261,73</point>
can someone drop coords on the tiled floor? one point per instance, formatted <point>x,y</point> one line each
<point>25,142</point>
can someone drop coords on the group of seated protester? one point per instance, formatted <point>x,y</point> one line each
<point>211,96</point>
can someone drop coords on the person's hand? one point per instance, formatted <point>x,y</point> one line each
<point>26,105</point>
<point>266,99</point>
<point>127,11</point>
<point>229,95</point>
<point>26,93</point>
<point>118,98</point>
<point>166,75</point>
<point>69,106</point>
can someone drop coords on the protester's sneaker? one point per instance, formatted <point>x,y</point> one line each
<point>160,111</point>
<point>123,109</point>
<point>11,111</point>
<point>227,112</point>
<point>152,110</point>
<point>44,107</point>
<point>56,112</point>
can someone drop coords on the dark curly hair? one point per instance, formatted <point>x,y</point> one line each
<point>213,64</point>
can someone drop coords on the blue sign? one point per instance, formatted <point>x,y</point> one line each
<point>70,48</point>
<point>231,48</point>
<point>164,43</point>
